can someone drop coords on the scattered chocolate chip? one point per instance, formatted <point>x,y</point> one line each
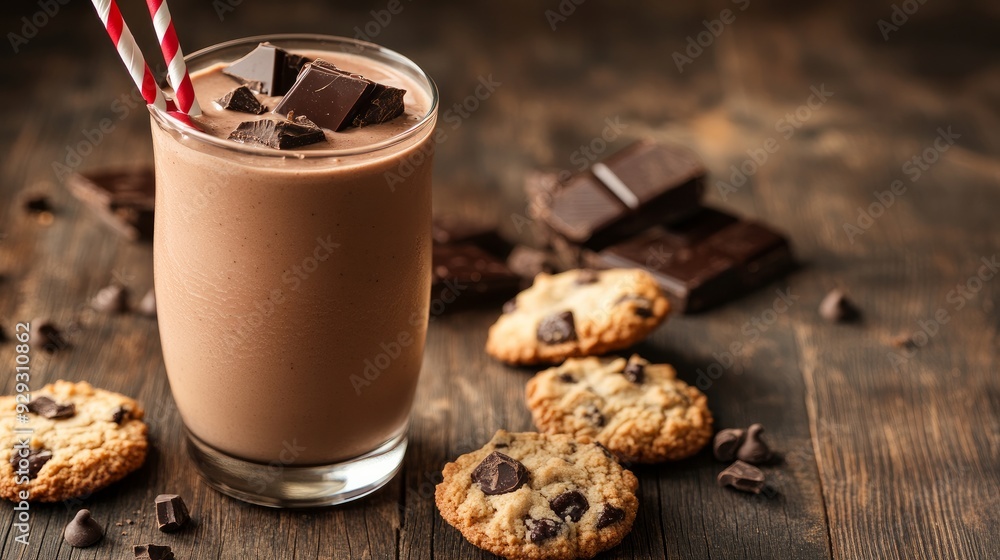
<point>123,198</point>
<point>111,299</point>
<point>566,378</point>
<point>594,415</point>
<point>47,336</point>
<point>726,443</point>
<point>241,100</point>
<point>38,204</point>
<point>36,460</point>
<point>570,504</point>
<point>147,306</point>
<point>499,474</point>
<point>586,276</point>
<point>120,414</point>
<point>267,69</point>
<point>557,328</point>
<point>540,530</point>
<point>501,445</point>
<point>83,531</point>
<point>837,308</point>
<point>754,450</point>
<point>742,476</point>
<point>171,513</point>
<point>635,370</point>
<point>609,516</point>
<point>280,135</point>
<point>152,552</point>
<point>48,408</point>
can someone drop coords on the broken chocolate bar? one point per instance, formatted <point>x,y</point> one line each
<point>122,198</point>
<point>468,266</point>
<point>281,135</point>
<point>642,185</point>
<point>242,100</point>
<point>710,259</point>
<point>267,69</point>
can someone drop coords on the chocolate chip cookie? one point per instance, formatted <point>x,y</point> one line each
<point>533,496</point>
<point>81,439</point>
<point>638,410</point>
<point>577,313</point>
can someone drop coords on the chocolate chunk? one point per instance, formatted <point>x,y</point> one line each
<point>281,135</point>
<point>540,530</point>
<point>464,274</point>
<point>384,104</point>
<point>566,378</point>
<point>743,477</point>
<point>326,95</point>
<point>119,415</point>
<point>635,370</point>
<point>38,204</point>
<point>557,328</point>
<point>455,231</point>
<point>592,413</point>
<point>726,443</point>
<point>122,198</point>
<point>570,505</point>
<point>48,408</point>
<point>111,299</point>
<point>36,459</point>
<point>171,513</point>
<point>642,185</point>
<point>607,452</point>
<point>82,531</point>
<point>499,474</point>
<point>147,306</point>
<point>241,100</point>
<point>609,516</point>
<point>47,336</point>
<point>754,450</point>
<point>152,552</point>
<point>528,262</point>
<point>510,306</point>
<point>586,276</point>
<point>267,69</point>
<point>837,308</point>
<point>732,261</point>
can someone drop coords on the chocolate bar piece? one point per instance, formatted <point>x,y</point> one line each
<point>705,260</point>
<point>280,135</point>
<point>468,266</point>
<point>642,185</point>
<point>267,69</point>
<point>122,198</point>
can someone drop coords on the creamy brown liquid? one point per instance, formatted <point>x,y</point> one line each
<point>278,279</point>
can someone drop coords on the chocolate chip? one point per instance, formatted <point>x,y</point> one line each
<point>754,450</point>
<point>570,504</point>
<point>743,477</point>
<point>540,530</point>
<point>643,306</point>
<point>500,445</point>
<point>241,100</point>
<point>607,452</point>
<point>499,474</point>
<point>591,412</point>
<point>83,531</point>
<point>171,513</point>
<point>586,276</point>
<point>510,306</point>
<point>609,516</point>
<point>566,378</point>
<point>48,408</point>
<point>147,306</point>
<point>281,135</point>
<point>836,308</point>
<point>111,299</point>
<point>47,336</point>
<point>152,552</point>
<point>36,459</point>
<point>37,204</point>
<point>726,443</point>
<point>904,341</point>
<point>119,414</point>
<point>635,370</point>
<point>557,328</point>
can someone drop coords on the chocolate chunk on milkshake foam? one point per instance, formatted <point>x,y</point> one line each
<point>293,288</point>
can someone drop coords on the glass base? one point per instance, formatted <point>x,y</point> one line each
<point>283,486</point>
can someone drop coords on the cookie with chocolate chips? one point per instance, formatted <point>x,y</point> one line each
<point>638,410</point>
<point>82,440</point>
<point>532,496</point>
<point>577,313</point>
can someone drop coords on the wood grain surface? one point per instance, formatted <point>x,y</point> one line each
<point>888,452</point>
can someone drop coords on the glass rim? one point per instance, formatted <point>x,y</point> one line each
<point>169,123</point>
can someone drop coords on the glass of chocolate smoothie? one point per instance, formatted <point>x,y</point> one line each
<point>293,284</point>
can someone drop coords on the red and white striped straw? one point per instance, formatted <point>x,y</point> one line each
<point>177,72</point>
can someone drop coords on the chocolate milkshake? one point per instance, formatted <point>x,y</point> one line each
<point>292,285</point>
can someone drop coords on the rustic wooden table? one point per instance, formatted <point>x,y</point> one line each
<point>888,452</point>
